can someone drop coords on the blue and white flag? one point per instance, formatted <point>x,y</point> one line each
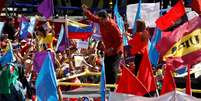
<point>24,29</point>
<point>32,25</point>
<point>1,27</point>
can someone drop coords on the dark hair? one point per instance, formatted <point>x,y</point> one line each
<point>102,13</point>
<point>140,26</point>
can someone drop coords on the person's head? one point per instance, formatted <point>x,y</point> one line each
<point>102,14</point>
<point>23,42</point>
<point>10,20</point>
<point>140,25</point>
<point>28,65</point>
<point>41,31</point>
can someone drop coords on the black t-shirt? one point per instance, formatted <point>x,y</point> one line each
<point>10,30</point>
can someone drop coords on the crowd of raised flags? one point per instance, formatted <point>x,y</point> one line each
<point>176,42</point>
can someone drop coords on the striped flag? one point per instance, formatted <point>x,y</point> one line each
<point>78,30</point>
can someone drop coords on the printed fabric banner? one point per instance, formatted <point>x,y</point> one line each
<point>183,44</point>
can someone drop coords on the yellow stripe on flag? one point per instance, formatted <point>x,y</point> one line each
<point>188,44</point>
<point>77,24</point>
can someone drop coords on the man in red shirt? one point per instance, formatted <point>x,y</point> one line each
<point>112,40</point>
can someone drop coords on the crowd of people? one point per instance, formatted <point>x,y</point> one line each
<point>20,75</point>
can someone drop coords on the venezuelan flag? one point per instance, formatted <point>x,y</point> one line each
<point>78,30</point>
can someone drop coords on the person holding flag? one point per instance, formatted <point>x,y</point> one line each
<point>112,40</point>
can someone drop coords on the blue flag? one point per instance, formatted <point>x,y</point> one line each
<point>1,27</point>
<point>8,57</point>
<point>181,70</point>
<point>62,42</point>
<point>137,16</point>
<point>102,81</point>
<point>46,84</point>
<point>153,54</point>
<point>24,29</point>
<point>46,8</point>
<point>32,25</point>
<point>120,23</point>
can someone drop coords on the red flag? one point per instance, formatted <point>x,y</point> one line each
<point>196,6</point>
<point>173,17</point>
<point>145,73</point>
<point>130,84</point>
<point>168,81</point>
<point>188,82</point>
<point>182,44</point>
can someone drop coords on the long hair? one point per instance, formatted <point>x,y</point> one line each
<point>141,28</point>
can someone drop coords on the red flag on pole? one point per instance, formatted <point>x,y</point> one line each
<point>188,82</point>
<point>145,73</point>
<point>196,6</point>
<point>129,84</point>
<point>168,81</point>
<point>173,18</point>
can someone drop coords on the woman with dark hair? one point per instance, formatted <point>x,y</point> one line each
<point>139,43</point>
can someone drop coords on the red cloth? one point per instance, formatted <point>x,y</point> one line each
<point>168,82</point>
<point>24,49</point>
<point>110,32</point>
<point>188,83</point>
<point>2,4</point>
<point>145,73</point>
<point>196,6</point>
<point>79,35</point>
<point>169,19</point>
<point>137,44</point>
<point>169,39</point>
<point>129,84</point>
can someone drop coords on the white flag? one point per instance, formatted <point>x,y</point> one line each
<point>171,96</point>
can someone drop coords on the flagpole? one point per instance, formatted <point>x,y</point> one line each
<point>66,31</point>
<point>160,13</point>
